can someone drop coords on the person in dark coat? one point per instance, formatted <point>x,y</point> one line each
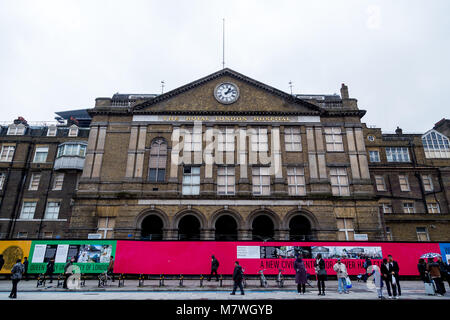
<point>16,274</point>
<point>422,268</point>
<point>237,278</point>
<point>387,274</point>
<point>2,261</point>
<point>444,268</point>
<point>367,264</point>
<point>110,270</point>
<point>300,275</point>
<point>214,268</point>
<point>50,269</point>
<point>395,271</point>
<point>25,266</point>
<point>319,265</point>
<point>435,274</point>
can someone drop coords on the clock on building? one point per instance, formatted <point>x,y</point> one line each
<point>226,92</point>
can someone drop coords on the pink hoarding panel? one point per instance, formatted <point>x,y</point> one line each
<point>194,257</point>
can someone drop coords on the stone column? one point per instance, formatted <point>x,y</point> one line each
<point>90,152</point>
<point>362,156</point>
<point>320,153</point>
<point>129,172</point>
<point>313,172</point>
<point>140,152</point>
<point>99,152</point>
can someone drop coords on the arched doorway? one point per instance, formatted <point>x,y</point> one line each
<point>226,228</point>
<point>263,228</point>
<point>152,228</point>
<point>299,228</point>
<point>189,228</point>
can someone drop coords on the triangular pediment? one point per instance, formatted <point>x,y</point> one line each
<point>198,96</point>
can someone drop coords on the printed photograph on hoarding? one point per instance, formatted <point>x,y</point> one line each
<point>347,252</point>
<point>285,252</point>
<point>94,253</point>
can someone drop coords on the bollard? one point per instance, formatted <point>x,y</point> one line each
<point>221,281</point>
<point>181,280</point>
<point>121,280</point>
<point>141,280</point>
<point>201,281</point>
<point>161,280</point>
<point>40,280</point>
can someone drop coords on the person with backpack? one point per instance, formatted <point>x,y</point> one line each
<point>16,275</point>
<point>237,278</point>
<point>214,268</point>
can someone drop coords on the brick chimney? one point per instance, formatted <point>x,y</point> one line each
<point>344,92</point>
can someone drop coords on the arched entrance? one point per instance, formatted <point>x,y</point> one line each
<point>263,228</point>
<point>299,228</point>
<point>189,228</point>
<point>226,228</point>
<point>152,228</point>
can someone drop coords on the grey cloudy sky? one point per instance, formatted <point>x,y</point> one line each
<point>61,55</point>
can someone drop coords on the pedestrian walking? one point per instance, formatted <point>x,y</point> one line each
<point>237,278</point>
<point>300,275</point>
<point>25,266</point>
<point>435,274</point>
<point>444,270</point>
<point>341,273</point>
<point>50,269</point>
<point>366,265</point>
<point>110,270</point>
<point>321,274</point>
<point>68,271</point>
<point>17,272</point>
<point>386,271</point>
<point>214,268</point>
<point>395,272</point>
<point>2,261</point>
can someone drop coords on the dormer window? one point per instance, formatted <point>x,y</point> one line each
<point>73,131</point>
<point>435,145</point>
<point>51,131</point>
<point>16,130</point>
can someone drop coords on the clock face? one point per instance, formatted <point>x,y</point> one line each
<point>226,93</point>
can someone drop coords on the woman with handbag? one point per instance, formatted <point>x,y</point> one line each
<point>321,273</point>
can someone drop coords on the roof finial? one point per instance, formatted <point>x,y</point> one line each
<point>290,85</point>
<point>162,86</point>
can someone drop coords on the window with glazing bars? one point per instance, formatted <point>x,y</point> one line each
<point>158,160</point>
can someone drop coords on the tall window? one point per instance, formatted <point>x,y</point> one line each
<point>345,229</point>
<point>261,181</point>
<point>389,234</point>
<point>52,210</point>
<point>226,139</point>
<point>339,182</point>
<point>7,153</point>
<point>51,131</point>
<point>436,145</point>
<point>28,209</point>
<point>191,180</point>
<point>106,227</point>
<point>34,181</point>
<point>408,207</point>
<point>192,139</point>
<point>292,139</point>
<point>296,181</point>
<point>422,234</point>
<point>398,154</point>
<point>225,180</point>
<point>58,181</point>
<point>2,180</point>
<point>158,160</point>
<point>404,183</point>
<point>427,182</point>
<point>379,182</point>
<point>333,139</point>
<point>374,156</point>
<point>41,154</point>
<point>259,140</point>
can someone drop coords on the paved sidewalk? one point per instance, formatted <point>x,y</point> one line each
<point>27,290</point>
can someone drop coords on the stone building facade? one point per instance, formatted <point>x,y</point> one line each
<point>258,164</point>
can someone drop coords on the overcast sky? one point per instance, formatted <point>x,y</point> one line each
<point>393,55</point>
